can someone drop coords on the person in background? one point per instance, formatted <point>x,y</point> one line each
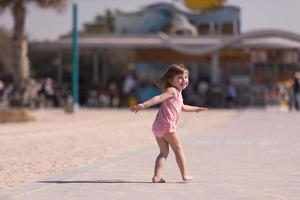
<point>129,86</point>
<point>230,95</point>
<point>296,90</point>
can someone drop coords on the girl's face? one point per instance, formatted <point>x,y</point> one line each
<point>180,81</point>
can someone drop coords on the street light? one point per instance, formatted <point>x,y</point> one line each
<point>75,58</point>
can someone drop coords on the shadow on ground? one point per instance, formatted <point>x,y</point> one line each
<point>99,181</point>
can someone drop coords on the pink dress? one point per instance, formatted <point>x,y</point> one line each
<point>167,118</point>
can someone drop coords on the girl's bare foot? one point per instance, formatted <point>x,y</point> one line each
<point>157,180</point>
<point>187,178</point>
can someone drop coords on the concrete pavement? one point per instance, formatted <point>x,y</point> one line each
<point>254,156</point>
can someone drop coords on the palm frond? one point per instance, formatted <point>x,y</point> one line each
<point>58,4</point>
<point>5,3</point>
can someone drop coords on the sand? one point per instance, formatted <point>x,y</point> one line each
<point>57,141</point>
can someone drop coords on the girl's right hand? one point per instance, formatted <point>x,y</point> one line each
<point>136,108</point>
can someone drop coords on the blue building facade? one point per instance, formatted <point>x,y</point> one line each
<point>159,17</point>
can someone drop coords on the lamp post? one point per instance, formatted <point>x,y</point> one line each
<point>75,58</point>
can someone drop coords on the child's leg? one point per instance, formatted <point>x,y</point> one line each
<point>161,159</point>
<point>173,140</point>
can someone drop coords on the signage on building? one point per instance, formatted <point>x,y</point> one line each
<point>258,56</point>
<point>290,57</point>
<point>203,5</point>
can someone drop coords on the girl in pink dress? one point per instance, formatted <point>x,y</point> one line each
<point>164,127</point>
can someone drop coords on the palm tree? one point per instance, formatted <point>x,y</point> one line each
<point>19,38</point>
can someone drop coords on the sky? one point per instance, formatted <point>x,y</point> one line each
<point>48,24</point>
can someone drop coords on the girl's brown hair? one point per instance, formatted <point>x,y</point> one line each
<point>173,70</point>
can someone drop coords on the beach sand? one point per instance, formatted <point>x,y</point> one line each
<point>57,141</point>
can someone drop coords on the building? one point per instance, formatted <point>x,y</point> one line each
<point>166,17</point>
<point>211,44</point>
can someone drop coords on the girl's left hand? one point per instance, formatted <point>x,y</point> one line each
<point>136,108</point>
<point>201,109</point>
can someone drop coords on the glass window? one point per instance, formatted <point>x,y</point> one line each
<point>183,32</point>
<point>203,29</point>
<point>227,28</point>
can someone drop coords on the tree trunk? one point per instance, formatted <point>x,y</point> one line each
<point>20,57</point>
<point>5,54</point>
<point>20,61</point>
<point>20,46</point>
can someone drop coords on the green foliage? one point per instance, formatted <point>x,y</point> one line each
<point>5,3</point>
<point>58,4</point>
<point>101,24</point>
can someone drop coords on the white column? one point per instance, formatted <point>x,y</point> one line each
<point>60,68</point>
<point>95,67</point>
<point>212,28</point>
<point>215,68</point>
<point>235,27</point>
<point>104,71</point>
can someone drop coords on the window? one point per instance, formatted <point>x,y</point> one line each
<point>227,28</point>
<point>203,29</point>
<point>124,30</point>
<point>183,32</point>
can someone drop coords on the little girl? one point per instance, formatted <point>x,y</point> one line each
<point>164,127</point>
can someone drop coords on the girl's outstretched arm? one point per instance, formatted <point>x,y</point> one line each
<point>169,93</point>
<point>187,108</point>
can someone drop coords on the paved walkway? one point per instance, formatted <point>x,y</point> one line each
<point>254,156</point>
